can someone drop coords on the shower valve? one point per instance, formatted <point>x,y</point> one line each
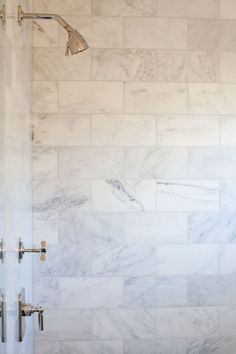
<point>28,310</point>
<point>22,250</point>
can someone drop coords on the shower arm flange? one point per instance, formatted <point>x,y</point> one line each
<point>3,14</point>
<point>38,16</point>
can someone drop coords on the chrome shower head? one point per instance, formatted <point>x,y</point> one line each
<point>76,43</point>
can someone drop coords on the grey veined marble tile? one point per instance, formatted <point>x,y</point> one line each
<point>218,345</point>
<point>126,260</point>
<point>41,347</point>
<point>91,228</point>
<point>45,292</point>
<point>184,8</point>
<point>67,7</point>
<point>155,346</point>
<point>155,292</point>
<point>124,324</point>
<point>92,347</point>
<point>45,162</point>
<point>123,7</point>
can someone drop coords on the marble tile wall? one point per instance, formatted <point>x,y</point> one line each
<point>134,177</point>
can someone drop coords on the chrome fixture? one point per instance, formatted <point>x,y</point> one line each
<point>22,250</point>
<point>3,318</point>
<point>3,14</point>
<point>2,254</point>
<point>76,42</point>
<point>27,310</point>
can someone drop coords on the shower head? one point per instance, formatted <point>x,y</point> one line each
<point>76,43</point>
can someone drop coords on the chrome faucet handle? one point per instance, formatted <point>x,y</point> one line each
<point>42,250</point>
<point>28,310</point>
<point>40,318</point>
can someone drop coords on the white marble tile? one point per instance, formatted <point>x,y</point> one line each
<point>91,228</point>
<point>228,196</point>
<point>155,292</point>
<point>148,33</point>
<point>187,322</point>
<point>187,195</point>
<point>227,321</point>
<point>52,64</point>
<point>227,259</point>
<point>120,323</point>
<point>218,345</point>
<point>227,35</point>
<point>76,324</point>
<point>227,9</point>
<point>61,130</point>
<point>172,66</point>
<point>99,32</point>
<point>46,347</point>
<point>203,34</point>
<point>91,292</point>
<point>155,97</point>
<point>151,163</point>
<point>44,97</point>
<point>90,163</point>
<point>155,228</point>
<point>123,64</point>
<point>92,347</point>
<point>53,196</point>
<point>187,259</point>
<point>203,66</point>
<point>46,293</point>
<point>155,346</point>
<point>45,34</point>
<point>227,131</point>
<point>67,7</point>
<point>45,226</point>
<point>123,7</point>
<point>217,290</point>
<point>120,130</point>
<point>186,8</point>
<point>44,164</point>
<point>187,130</point>
<point>125,260</point>
<point>212,163</point>
<point>212,227</point>
<point>212,98</point>
<point>123,195</point>
<point>227,67</point>
<point>90,97</point>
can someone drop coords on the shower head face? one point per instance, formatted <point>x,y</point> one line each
<point>76,43</point>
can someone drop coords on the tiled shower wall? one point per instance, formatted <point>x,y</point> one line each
<point>135,177</point>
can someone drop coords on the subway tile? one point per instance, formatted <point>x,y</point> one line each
<point>44,162</point>
<point>185,8</point>
<point>124,324</point>
<point>91,292</point>
<point>49,347</point>
<point>188,195</point>
<point>217,345</point>
<point>212,163</point>
<point>52,64</point>
<point>90,97</point>
<point>99,32</point>
<point>76,324</point>
<point>45,34</point>
<point>154,346</point>
<point>227,35</point>
<point>54,196</point>
<point>120,130</point>
<point>91,228</point>
<point>67,7</point>
<point>227,9</point>
<point>151,163</point>
<point>203,66</point>
<point>212,227</point>
<point>228,195</point>
<point>227,131</point>
<point>91,347</point>
<point>61,130</point>
<point>123,196</point>
<point>46,292</point>
<point>44,97</point>
<point>123,8</point>
<point>227,259</point>
<point>227,67</point>
<point>125,260</point>
<point>155,228</point>
<point>90,163</point>
<point>45,226</point>
<point>203,34</point>
<point>123,64</point>
<point>155,292</point>
<point>227,321</point>
<point>148,33</point>
<point>172,66</point>
<point>187,130</point>
<point>187,259</point>
<point>155,97</point>
<point>214,290</point>
<point>212,98</point>
<point>187,322</point>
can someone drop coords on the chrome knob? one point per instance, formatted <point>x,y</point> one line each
<point>42,250</point>
<point>28,310</point>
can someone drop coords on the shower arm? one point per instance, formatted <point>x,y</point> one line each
<point>35,16</point>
